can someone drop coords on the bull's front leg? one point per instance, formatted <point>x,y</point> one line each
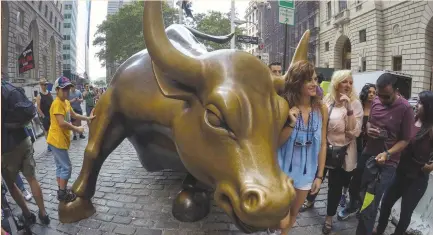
<point>192,203</point>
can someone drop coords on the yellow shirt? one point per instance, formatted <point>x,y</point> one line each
<point>57,136</point>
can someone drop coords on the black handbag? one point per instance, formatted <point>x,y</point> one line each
<point>335,155</point>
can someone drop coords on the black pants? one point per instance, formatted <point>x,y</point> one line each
<point>410,191</point>
<point>312,197</point>
<point>355,184</point>
<point>338,178</point>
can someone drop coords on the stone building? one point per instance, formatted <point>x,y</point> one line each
<point>22,22</point>
<point>379,35</point>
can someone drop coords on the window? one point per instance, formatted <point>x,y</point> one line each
<point>66,37</point>
<point>60,67</point>
<point>44,34</point>
<point>55,21</point>
<point>66,67</point>
<point>44,65</point>
<point>40,6</point>
<point>51,17</point>
<point>60,25</point>
<point>66,25</point>
<point>397,63</point>
<point>20,18</point>
<point>68,7</point>
<point>342,5</point>
<point>61,6</point>
<point>67,16</point>
<point>362,35</point>
<point>66,56</point>
<point>326,46</point>
<point>329,9</point>
<point>363,64</point>
<point>66,47</point>
<point>18,49</point>
<point>46,11</point>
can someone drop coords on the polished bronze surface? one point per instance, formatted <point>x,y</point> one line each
<point>215,115</point>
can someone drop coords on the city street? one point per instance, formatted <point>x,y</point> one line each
<point>130,200</point>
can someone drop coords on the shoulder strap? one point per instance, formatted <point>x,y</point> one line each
<point>329,113</point>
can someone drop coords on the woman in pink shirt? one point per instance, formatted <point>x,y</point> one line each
<point>344,126</point>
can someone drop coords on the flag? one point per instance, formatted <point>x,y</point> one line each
<point>25,60</point>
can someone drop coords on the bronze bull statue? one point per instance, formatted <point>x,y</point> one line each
<point>216,115</point>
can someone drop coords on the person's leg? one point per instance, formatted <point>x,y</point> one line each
<point>28,169</point>
<point>391,196</point>
<point>335,185</point>
<point>78,122</point>
<point>287,223</point>
<point>19,182</point>
<point>410,199</point>
<point>64,169</point>
<point>46,123</point>
<point>311,198</point>
<point>368,216</point>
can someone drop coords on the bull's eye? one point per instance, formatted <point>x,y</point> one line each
<point>213,119</point>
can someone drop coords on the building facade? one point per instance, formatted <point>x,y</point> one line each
<point>70,39</point>
<point>37,21</point>
<point>379,35</point>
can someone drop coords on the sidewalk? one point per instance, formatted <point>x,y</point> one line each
<point>130,200</point>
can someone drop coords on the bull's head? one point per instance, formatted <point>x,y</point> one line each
<point>228,128</point>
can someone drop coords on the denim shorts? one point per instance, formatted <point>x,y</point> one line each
<point>63,163</point>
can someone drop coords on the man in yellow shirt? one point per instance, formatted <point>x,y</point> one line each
<point>59,135</point>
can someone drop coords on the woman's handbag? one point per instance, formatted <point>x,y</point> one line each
<point>335,155</point>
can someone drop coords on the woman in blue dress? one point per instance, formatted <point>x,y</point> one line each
<point>302,151</point>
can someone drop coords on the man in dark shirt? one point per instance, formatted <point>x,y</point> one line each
<point>17,155</point>
<point>390,128</point>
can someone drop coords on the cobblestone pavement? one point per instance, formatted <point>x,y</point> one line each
<point>130,200</point>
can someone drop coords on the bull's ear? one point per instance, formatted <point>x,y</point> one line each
<point>278,82</point>
<point>170,87</point>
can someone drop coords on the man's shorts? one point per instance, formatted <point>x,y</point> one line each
<point>46,122</point>
<point>19,159</point>
<point>77,111</point>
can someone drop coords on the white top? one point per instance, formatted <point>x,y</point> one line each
<point>339,135</point>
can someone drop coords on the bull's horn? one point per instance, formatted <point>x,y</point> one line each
<point>301,52</point>
<point>160,49</point>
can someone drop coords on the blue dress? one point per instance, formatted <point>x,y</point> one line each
<point>299,156</point>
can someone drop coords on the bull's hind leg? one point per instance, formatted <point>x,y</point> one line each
<point>106,133</point>
<point>192,203</point>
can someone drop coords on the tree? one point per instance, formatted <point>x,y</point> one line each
<point>216,23</point>
<point>121,35</point>
<point>100,83</point>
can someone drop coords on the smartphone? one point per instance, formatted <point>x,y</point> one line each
<point>383,134</point>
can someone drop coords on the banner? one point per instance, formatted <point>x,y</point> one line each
<point>25,60</point>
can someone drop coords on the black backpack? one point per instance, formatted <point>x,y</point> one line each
<point>19,110</point>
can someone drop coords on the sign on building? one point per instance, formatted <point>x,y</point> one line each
<point>286,11</point>
<point>265,58</point>
<point>247,39</point>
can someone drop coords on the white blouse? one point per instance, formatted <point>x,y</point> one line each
<point>339,135</point>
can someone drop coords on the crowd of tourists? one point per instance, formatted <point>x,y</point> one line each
<point>373,145</point>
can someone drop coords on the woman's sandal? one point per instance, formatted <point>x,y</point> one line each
<point>305,206</point>
<point>327,227</point>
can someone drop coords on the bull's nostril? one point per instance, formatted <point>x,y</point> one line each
<point>252,200</point>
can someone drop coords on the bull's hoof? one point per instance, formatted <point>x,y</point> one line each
<point>75,211</point>
<point>191,205</point>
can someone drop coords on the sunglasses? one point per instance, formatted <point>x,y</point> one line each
<point>305,144</point>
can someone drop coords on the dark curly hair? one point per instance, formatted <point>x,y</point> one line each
<point>299,73</point>
<point>363,96</point>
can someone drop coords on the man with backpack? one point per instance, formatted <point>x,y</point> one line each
<point>17,149</point>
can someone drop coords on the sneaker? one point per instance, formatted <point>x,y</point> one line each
<point>82,136</point>
<point>273,232</point>
<point>343,200</point>
<point>75,137</point>
<point>347,213</point>
<point>27,195</point>
<point>66,195</point>
<point>44,219</point>
<point>27,220</point>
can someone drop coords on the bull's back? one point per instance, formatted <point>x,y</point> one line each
<point>136,94</point>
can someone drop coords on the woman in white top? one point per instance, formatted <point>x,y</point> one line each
<point>345,121</point>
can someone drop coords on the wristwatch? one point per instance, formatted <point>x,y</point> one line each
<point>388,155</point>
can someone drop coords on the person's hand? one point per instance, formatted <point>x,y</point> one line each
<point>427,168</point>
<point>80,129</point>
<point>316,186</point>
<point>373,132</point>
<point>293,115</point>
<point>91,117</point>
<point>381,158</point>
<point>345,100</point>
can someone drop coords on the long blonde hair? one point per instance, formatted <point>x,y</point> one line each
<point>338,77</point>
